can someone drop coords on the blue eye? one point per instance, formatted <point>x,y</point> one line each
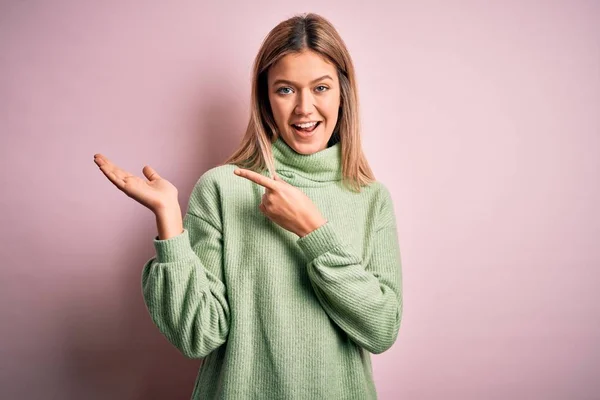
<point>283,88</point>
<point>321,86</point>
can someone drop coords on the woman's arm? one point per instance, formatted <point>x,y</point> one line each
<point>183,285</point>
<point>168,222</point>
<point>363,297</point>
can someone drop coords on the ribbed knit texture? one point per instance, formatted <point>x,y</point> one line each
<point>274,315</point>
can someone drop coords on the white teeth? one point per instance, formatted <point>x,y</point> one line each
<point>307,125</point>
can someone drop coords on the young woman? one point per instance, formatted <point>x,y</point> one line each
<point>284,274</point>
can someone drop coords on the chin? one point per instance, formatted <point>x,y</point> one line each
<point>307,145</point>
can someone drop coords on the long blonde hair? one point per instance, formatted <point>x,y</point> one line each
<point>304,32</point>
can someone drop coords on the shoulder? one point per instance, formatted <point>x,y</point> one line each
<point>378,194</point>
<point>381,191</point>
<point>217,176</point>
<point>208,190</point>
<point>383,203</point>
<point>213,181</point>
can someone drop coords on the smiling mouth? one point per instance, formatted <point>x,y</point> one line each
<point>304,131</point>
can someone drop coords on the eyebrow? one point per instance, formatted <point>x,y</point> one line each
<point>278,81</point>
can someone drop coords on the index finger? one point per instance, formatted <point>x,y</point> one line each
<point>256,178</point>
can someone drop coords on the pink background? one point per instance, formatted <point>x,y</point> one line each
<point>482,119</point>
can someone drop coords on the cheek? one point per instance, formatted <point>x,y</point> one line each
<point>330,105</point>
<point>281,110</point>
<point>331,109</point>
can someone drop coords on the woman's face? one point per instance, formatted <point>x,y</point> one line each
<point>304,88</point>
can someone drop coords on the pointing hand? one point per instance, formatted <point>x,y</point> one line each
<point>285,204</point>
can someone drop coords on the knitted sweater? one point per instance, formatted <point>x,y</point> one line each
<point>275,315</point>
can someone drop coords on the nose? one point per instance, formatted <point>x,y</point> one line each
<point>304,103</point>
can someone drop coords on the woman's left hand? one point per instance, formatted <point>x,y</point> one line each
<point>285,204</point>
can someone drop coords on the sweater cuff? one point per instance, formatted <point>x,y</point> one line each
<point>319,241</point>
<point>173,249</point>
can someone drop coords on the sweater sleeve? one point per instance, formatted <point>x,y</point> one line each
<point>183,285</point>
<point>362,296</point>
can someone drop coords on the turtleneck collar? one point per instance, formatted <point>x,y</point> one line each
<point>307,169</point>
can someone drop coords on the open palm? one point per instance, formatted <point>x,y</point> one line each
<point>154,192</point>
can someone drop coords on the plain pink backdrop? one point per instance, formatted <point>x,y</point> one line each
<point>482,118</point>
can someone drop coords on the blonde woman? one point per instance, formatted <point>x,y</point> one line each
<point>284,274</point>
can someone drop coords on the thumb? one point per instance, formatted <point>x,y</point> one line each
<point>150,173</point>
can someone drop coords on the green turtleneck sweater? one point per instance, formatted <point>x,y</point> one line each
<point>275,315</point>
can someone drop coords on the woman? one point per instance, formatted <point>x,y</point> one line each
<point>284,273</point>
